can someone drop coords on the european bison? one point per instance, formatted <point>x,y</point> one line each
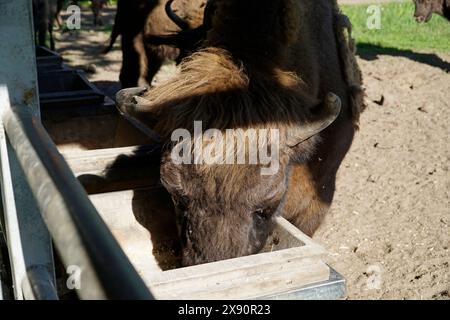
<point>45,13</point>
<point>97,7</point>
<point>136,20</point>
<point>425,9</point>
<point>285,65</point>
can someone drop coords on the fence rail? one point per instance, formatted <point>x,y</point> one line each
<point>80,236</point>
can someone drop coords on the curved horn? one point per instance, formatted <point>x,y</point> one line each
<point>176,19</point>
<point>187,40</point>
<point>129,104</point>
<point>331,110</point>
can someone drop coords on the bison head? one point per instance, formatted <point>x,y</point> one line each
<point>224,212</point>
<point>228,210</point>
<point>424,10</point>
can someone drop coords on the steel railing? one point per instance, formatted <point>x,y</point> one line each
<point>79,234</point>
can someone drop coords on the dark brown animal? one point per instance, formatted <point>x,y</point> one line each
<point>97,7</point>
<point>286,65</point>
<point>135,21</point>
<point>45,13</point>
<point>424,9</point>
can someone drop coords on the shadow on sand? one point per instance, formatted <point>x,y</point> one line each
<point>371,52</point>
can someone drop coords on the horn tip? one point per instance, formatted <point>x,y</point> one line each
<point>334,102</point>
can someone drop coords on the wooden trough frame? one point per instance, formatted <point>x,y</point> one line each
<point>66,87</point>
<point>290,266</point>
<point>47,60</point>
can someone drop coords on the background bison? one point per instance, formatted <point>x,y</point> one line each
<point>135,21</point>
<point>425,9</point>
<point>45,13</point>
<point>97,7</point>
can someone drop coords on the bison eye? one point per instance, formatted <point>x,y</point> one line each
<point>262,214</point>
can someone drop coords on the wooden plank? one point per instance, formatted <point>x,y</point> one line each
<point>252,271</point>
<point>143,222</point>
<point>291,261</point>
<point>248,287</point>
<point>287,236</point>
<point>94,132</point>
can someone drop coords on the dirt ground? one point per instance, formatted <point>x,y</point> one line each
<point>389,228</point>
<point>388,231</point>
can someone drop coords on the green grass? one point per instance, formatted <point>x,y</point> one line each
<point>87,3</point>
<point>399,29</point>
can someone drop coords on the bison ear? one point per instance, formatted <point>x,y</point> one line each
<point>130,103</point>
<point>328,112</point>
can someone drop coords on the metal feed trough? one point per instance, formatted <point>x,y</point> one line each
<point>66,88</point>
<point>47,60</point>
<point>77,174</point>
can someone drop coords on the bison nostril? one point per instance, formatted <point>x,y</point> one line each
<point>187,259</point>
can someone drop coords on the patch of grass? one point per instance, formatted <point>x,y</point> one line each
<point>399,29</point>
<point>87,3</point>
<point>83,3</point>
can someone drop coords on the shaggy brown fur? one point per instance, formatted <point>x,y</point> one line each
<point>135,19</point>
<point>352,74</point>
<point>267,64</point>
<point>97,7</point>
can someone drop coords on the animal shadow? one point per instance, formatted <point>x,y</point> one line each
<point>151,204</point>
<point>371,52</point>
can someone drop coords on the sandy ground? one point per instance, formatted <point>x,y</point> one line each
<point>389,228</point>
<point>388,231</point>
<point>368,1</point>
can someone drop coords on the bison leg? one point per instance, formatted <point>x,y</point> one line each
<point>40,15</point>
<point>154,63</point>
<point>42,31</point>
<point>130,72</point>
<point>50,31</point>
<point>136,70</point>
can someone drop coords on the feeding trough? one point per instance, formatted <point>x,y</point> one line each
<point>289,263</point>
<point>143,222</point>
<point>68,88</point>
<point>102,130</point>
<point>47,60</point>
